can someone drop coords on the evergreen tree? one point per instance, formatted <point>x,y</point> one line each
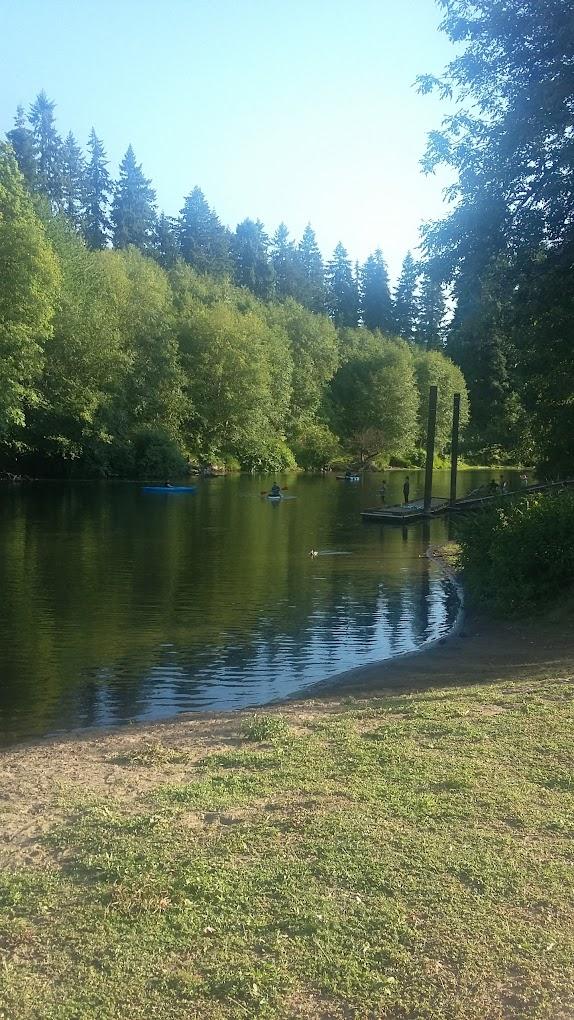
<point>376,303</point>
<point>430,324</point>
<point>312,290</point>
<point>286,263</point>
<point>22,141</point>
<point>406,302</point>
<point>97,188</point>
<point>48,148</point>
<point>133,212</point>
<point>165,241</point>
<point>342,289</point>
<point>203,241</point>
<point>73,171</point>
<point>252,266</point>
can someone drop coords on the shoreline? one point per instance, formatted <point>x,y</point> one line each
<point>478,650</point>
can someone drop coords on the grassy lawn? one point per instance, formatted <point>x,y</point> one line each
<point>401,856</point>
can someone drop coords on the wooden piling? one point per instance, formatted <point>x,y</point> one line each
<point>454,446</point>
<point>431,430</point>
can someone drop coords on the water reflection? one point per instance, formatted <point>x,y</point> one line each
<point>114,606</point>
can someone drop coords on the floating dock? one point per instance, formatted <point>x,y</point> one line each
<point>415,510</point>
<point>404,512</point>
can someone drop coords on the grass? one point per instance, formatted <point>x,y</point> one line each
<point>406,856</point>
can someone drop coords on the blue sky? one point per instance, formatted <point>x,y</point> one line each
<point>300,110</point>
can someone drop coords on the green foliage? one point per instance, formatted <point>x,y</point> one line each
<point>506,245</point>
<point>203,242</point>
<point>175,352</point>
<point>342,289</point>
<point>252,267</point>
<point>29,278</point>
<point>376,303</point>
<point>156,454</point>
<point>519,554</point>
<point>133,209</point>
<point>434,369</point>
<point>314,353</point>
<point>311,291</point>
<point>314,445</point>
<point>406,300</point>
<point>375,389</point>
<point>97,190</point>
<point>47,149</point>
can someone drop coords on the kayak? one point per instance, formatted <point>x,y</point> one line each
<point>169,488</point>
<point>348,478</point>
<point>274,499</point>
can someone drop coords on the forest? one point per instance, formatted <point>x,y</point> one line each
<point>134,342</point>
<point>135,345</point>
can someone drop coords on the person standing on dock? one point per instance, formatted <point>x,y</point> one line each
<point>406,489</point>
<point>383,491</point>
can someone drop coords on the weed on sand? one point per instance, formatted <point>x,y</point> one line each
<point>404,857</point>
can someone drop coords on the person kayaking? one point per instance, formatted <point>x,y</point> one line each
<point>406,489</point>
<point>275,490</point>
<point>167,484</point>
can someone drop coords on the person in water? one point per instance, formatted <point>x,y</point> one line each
<point>275,490</point>
<point>406,489</point>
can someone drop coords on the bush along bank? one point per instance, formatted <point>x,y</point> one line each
<point>519,555</point>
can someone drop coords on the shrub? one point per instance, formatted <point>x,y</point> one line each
<point>518,554</point>
<point>156,454</point>
<point>264,728</point>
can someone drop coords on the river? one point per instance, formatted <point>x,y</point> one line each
<point>117,605</point>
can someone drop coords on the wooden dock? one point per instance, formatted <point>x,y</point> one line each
<point>404,512</point>
<point>414,511</point>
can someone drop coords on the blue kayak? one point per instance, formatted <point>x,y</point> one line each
<point>169,488</point>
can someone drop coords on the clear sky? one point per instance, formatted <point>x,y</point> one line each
<point>294,110</point>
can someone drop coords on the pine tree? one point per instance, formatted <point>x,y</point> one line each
<point>342,289</point>
<point>22,141</point>
<point>165,241</point>
<point>73,172</point>
<point>203,241</point>
<point>286,264</point>
<point>430,324</point>
<point>133,212</point>
<point>48,148</point>
<point>98,186</point>
<point>376,303</point>
<point>406,302</point>
<point>313,271</point>
<point>251,259</point>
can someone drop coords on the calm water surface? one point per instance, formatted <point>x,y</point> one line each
<point>116,605</point>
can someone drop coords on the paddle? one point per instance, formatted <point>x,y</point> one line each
<point>266,492</point>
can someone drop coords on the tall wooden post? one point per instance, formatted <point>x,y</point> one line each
<point>431,430</point>
<point>454,446</point>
